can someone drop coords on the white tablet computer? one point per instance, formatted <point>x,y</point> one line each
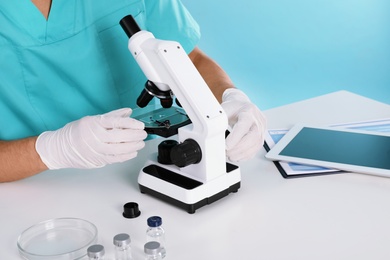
<point>338,148</point>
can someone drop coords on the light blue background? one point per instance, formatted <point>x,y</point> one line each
<point>282,51</point>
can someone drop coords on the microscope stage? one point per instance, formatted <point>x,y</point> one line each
<point>163,122</point>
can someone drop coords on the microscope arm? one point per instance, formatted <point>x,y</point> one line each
<point>168,66</point>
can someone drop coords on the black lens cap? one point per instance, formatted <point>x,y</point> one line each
<point>131,210</point>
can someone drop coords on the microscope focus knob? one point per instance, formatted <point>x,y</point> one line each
<point>164,151</point>
<point>186,153</point>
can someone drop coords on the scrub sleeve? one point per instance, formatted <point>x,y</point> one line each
<point>76,63</point>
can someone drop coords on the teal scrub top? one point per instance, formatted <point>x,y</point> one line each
<point>76,63</point>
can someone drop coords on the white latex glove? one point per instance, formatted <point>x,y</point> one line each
<point>92,141</point>
<point>248,125</point>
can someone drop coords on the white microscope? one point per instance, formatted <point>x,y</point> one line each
<point>192,171</point>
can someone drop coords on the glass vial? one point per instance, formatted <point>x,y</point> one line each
<point>95,252</point>
<point>122,247</point>
<point>152,251</point>
<point>155,232</point>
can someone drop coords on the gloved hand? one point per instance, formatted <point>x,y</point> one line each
<point>92,141</point>
<point>248,125</point>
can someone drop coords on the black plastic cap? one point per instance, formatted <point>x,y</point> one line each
<point>129,25</point>
<point>131,210</point>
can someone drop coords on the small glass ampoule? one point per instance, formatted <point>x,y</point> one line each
<point>96,252</point>
<point>122,247</point>
<point>155,232</point>
<point>152,251</point>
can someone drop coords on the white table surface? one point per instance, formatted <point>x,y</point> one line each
<point>343,216</point>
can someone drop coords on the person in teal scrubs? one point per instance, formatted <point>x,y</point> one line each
<point>68,83</point>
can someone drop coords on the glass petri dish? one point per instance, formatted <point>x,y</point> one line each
<point>59,239</point>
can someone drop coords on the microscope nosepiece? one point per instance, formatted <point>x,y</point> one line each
<point>150,91</point>
<point>144,98</point>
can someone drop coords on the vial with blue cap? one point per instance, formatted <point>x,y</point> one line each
<point>155,232</point>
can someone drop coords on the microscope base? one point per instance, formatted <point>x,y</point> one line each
<point>185,192</point>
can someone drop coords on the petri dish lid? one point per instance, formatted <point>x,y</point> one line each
<point>60,239</point>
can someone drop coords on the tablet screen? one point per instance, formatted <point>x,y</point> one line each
<point>358,149</point>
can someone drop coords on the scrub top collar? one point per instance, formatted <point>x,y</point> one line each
<point>59,25</point>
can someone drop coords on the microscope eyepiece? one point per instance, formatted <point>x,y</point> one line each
<point>129,25</point>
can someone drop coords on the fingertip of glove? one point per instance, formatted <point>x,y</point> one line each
<point>239,158</point>
<point>138,124</point>
<point>126,112</point>
<point>121,112</point>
